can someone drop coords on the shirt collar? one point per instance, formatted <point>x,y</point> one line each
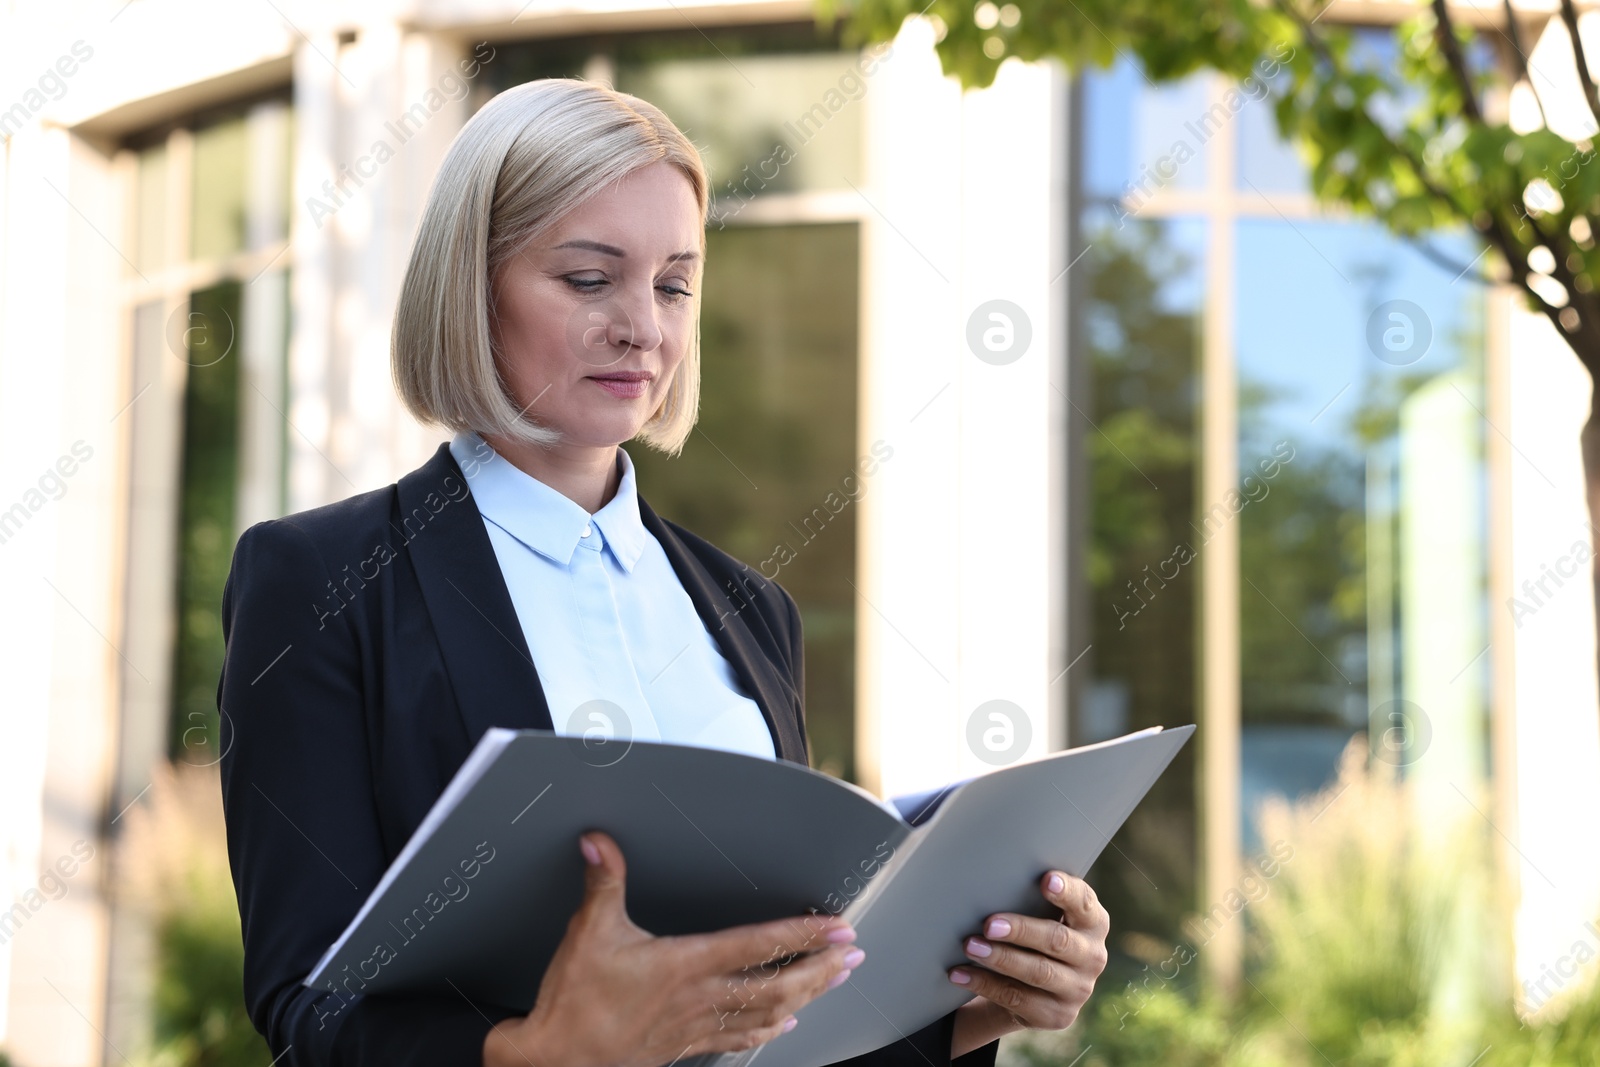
<point>542,518</point>
<point>619,519</point>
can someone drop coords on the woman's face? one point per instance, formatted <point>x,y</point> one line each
<point>594,318</point>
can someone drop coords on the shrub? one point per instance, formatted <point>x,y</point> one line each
<point>179,879</point>
<point>1377,945</point>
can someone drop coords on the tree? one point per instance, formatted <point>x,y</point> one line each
<point>1423,147</point>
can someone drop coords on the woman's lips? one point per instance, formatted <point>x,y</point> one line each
<point>624,387</point>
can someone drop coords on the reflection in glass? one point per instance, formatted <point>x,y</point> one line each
<point>768,124</point>
<point>218,214</point>
<point>778,412</point>
<point>206,532</point>
<point>1267,163</point>
<point>773,109</point>
<point>1360,504</point>
<point>1362,559</point>
<point>1139,328</point>
<point>1139,137</point>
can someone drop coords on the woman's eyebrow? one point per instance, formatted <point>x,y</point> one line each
<point>613,250</point>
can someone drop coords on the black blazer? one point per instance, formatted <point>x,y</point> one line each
<point>368,646</point>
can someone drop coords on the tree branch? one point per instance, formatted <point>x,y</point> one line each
<point>1444,262</point>
<point>1569,16</point>
<point>1514,35</point>
<point>1558,241</point>
<point>1494,229</point>
<point>1554,241</point>
<point>1445,33</point>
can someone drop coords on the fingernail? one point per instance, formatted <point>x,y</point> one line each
<point>838,980</point>
<point>959,977</point>
<point>590,852</point>
<point>977,947</point>
<point>1056,884</point>
<point>998,928</point>
<point>789,1023</point>
<point>839,935</point>
<point>854,957</point>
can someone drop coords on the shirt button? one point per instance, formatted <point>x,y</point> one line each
<point>587,530</point>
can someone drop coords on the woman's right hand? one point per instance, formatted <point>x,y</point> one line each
<point>615,995</point>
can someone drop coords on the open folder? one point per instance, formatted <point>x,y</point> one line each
<point>479,898</point>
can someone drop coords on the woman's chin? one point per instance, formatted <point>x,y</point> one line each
<point>604,431</point>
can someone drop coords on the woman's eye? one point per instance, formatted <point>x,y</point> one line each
<point>677,293</point>
<point>584,285</point>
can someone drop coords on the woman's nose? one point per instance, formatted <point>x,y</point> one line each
<point>604,333</point>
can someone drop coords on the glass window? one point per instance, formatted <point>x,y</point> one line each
<point>764,124</point>
<point>516,62</point>
<point>217,216</point>
<point>1361,461</point>
<point>210,453</point>
<point>1140,327</point>
<point>772,109</point>
<point>1268,163</point>
<point>241,165</point>
<point>1138,138</point>
<point>1360,502</point>
<point>212,201</point>
<point>770,472</point>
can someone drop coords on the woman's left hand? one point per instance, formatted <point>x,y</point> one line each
<point>1032,973</point>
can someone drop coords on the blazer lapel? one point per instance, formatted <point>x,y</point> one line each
<point>731,627</point>
<point>485,653</point>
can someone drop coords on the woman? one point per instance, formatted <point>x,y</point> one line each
<point>549,314</point>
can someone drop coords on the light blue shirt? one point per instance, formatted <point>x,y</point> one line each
<point>615,638</point>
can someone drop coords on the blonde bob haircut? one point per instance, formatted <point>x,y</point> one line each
<point>531,155</point>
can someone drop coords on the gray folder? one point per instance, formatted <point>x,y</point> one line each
<point>479,898</point>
